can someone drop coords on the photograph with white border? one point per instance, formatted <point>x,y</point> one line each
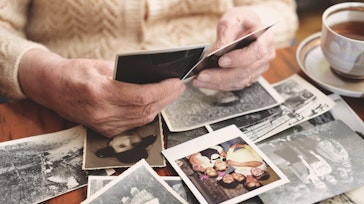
<point>37,168</point>
<point>341,111</point>
<point>138,184</point>
<point>95,183</point>
<point>198,107</point>
<point>208,163</point>
<point>125,149</point>
<point>320,162</point>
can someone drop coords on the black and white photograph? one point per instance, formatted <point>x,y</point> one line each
<point>224,166</point>
<point>322,162</point>
<point>95,183</point>
<point>38,168</point>
<point>199,107</point>
<point>341,111</point>
<point>175,138</point>
<point>302,101</point>
<point>152,66</point>
<point>126,149</point>
<point>180,187</point>
<point>138,184</point>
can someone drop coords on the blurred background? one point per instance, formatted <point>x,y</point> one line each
<point>309,13</point>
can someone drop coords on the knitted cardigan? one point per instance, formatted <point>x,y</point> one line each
<point>100,29</point>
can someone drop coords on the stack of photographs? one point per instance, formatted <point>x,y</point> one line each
<point>206,126</point>
<point>281,143</point>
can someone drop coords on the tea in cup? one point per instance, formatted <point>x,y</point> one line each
<point>342,38</point>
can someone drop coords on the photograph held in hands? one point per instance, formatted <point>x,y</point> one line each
<point>151,66</point>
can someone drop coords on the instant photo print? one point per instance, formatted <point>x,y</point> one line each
<point>195,160</point>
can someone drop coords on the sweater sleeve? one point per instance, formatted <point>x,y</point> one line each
<point>13,45</point>
<point>281,12</point>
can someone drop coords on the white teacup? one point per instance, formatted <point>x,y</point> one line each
<point>342,38</point>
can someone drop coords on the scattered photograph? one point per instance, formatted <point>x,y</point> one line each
<point>199,107</point>
<point>175,138</point>
<point>38,168</point>
<point>341,111</point>
<point>139,184</point>
<point>95,183</point>
<point>180,187</point>
<point>126,149</point>
<point>302,101</point>
<point>322,161</point>
<point>224,166</point>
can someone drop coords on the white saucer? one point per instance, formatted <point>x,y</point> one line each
<point>313,63</point>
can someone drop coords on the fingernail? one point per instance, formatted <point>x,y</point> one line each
<point>224,61</point>
<point>203,77</point>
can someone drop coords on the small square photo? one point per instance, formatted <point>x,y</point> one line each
<point>224,166</point>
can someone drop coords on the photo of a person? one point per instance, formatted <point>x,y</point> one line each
<point>212,150</point>
<point>199,162</point>
<point>243,158</point>
<point>240,178</point>
<point>227,169</point>
<point>259,173</point>
<point>252,183</point>
<point>127,147</point>
<point>228,181</point>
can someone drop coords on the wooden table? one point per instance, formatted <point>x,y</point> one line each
<point>25,118</point>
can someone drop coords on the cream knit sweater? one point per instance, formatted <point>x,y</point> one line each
<point>101,29</point>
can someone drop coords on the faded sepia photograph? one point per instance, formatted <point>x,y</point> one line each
<point>199,107</point>
<point>139,184</point>
<point>224,167</point>
<point>126,149</point>
<point>38,168</point>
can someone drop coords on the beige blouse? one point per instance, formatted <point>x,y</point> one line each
<point>101,29</point>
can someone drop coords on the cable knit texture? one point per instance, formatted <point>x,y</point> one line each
<point>101,29</point>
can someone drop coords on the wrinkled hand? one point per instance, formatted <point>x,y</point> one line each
<point>83,91</point>
<point>239,68</point>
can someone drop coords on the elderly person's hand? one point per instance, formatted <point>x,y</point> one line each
<point>83,91</point>
<point>239,68</point>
